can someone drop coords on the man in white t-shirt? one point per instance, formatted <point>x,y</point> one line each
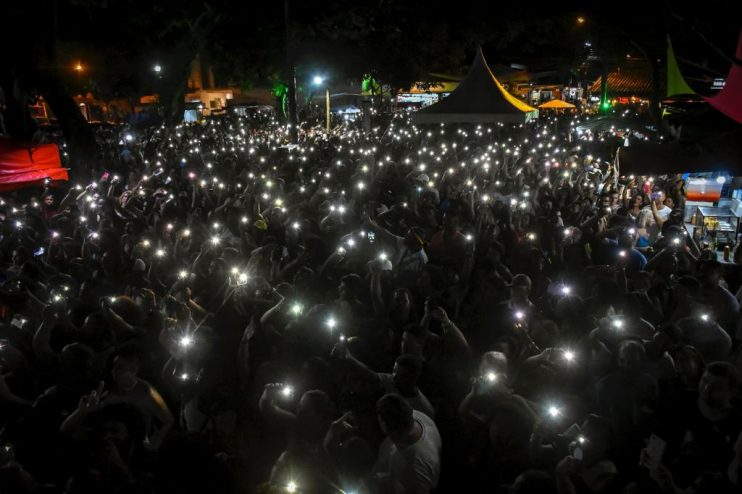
<point>658,208</point>
<point>411,453</point>
<point>659,215</point>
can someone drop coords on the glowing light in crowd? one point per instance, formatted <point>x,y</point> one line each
<point>491,377</point>
<point>186,341</point>
<point>569,356</point>
<point>554,412</point>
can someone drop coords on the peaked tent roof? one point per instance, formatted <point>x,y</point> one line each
<point>480,98</point>
<point>675,81</point>
<point>629,80</point>
<point>729,99</point>
<point>556,103</point>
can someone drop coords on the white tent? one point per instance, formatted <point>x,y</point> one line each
<point>480,98</point>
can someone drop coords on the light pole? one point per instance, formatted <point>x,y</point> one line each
<point>318,80</point>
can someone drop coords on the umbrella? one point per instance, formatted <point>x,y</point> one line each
<point>556,104</point>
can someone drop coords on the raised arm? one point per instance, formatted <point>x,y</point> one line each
<point>271,412</point>
<point>41,340</point>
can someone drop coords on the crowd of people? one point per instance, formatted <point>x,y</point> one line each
<point>463,309</point>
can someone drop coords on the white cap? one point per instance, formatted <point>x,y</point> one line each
<point>139,266</point>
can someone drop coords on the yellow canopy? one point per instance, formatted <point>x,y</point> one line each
<point>556,103</point>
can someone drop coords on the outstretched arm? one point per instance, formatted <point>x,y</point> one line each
<point>271,412</point>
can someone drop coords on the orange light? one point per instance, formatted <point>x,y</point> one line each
<point>78,67</point>
<point>580,20</point>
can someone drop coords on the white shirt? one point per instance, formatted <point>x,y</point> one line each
<point>663,212</point>
<point>417,466</point>
<point>406,260</point>
<point>652,228</point>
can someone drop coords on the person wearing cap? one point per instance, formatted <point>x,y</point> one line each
<point>409,255</point>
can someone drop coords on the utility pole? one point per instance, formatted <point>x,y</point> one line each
<point>327,107</point>
<point>291,76</point>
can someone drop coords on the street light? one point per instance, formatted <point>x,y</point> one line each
<point>318,81</point>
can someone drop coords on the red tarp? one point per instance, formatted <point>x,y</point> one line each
<point>22,165</point>
<point>729,99</point>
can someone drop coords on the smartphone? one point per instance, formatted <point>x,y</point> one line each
<point>577,453</point>
<point>655,450</point>
<point>105,176</point>
<point>39,252</point>
<point>371,237</point>
<point>18,321</point>
<point>168,180</point>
